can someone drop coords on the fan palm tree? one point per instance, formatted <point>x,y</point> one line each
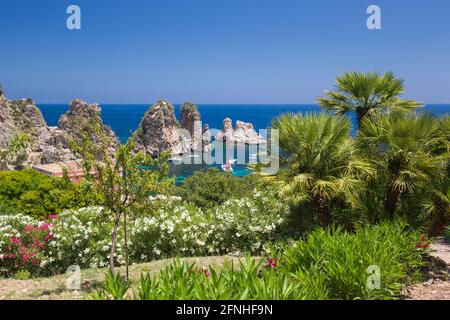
<point>402,146</point>
<point>321,163</point>
<point>364,92</point>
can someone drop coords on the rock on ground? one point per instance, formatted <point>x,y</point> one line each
<point>438,286</point>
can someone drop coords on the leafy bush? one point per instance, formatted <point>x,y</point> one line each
<point>338,262</point>
<point>25,253</point>
<point>83,237</point>
<point>35,194</point>
<point>207,189</point>
<point>331,264</point>
<point>181,281</point>
<point>178,229</point>
<point>75,237</point>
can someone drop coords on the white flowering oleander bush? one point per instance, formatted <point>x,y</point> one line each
<point>12,225</point>
<point>179,229</point>
<point>169,228</point>
<point>82,237</point>
<point>247,224</point>
<point>176,229</point>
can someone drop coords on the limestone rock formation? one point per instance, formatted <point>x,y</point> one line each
<point>190,121</point>
<point>83,117</point>
<point>243,133</point>
<point>46,144</point>
<point>158,130</point>
<point>190,118</point>
<point>23,116</point>
<point>206,138</point>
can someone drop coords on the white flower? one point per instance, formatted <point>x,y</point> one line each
<point>200,243</point>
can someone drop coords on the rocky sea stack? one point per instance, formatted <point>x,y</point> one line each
<point>243,133</point>
<point>48,144</point>
<point>157,132</point>
<point>84,117</point>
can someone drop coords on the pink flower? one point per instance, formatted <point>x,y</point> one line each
<point>28,228</point>
<point>272,263</point>
<point>48,237</point>
<point>206,272</point>
<point>44,227</point>
<point>15,240</point>
<point>53,216</point>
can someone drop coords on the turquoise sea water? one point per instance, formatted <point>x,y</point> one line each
<point>125,118</point>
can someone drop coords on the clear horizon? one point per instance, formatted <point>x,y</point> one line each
<point>230,52</point>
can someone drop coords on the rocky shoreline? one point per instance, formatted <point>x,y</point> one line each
<point>159,131</point>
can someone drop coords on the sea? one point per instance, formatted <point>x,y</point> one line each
<point>124,119</point>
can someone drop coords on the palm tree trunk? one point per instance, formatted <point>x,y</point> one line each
<point>360,114</point>
<point>392,198</point>
<point>321,211</point>
<point>114,243</point>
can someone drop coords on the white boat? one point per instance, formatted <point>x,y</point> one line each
<point>227,168</point>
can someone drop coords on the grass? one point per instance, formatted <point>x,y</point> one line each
<point>54,288</point>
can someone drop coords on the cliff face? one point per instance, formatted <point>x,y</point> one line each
<point>190,118</point>
<point>157,132</point>
<point>84,117</point>
<point>191,123</point>
<point>23,116</point>
<point>48,145</point>
<point>243,133</point>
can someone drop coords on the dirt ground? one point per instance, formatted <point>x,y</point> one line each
<point>438,286</point>
<point>54,288</point>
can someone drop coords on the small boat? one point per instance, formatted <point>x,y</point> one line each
<point>227,168</point>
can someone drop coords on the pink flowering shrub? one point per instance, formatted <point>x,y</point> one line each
<point>27,251</point>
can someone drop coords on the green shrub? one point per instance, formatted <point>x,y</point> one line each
<point>180,229</point>
<point>338,262</point>
<point>325,265</point>
<point>38,195</point>
<point>22,275</point>
<point>250,280</point>
<point>207,189</point>
<point>83,237</point>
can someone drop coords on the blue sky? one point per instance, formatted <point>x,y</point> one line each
<point>218,51</point>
